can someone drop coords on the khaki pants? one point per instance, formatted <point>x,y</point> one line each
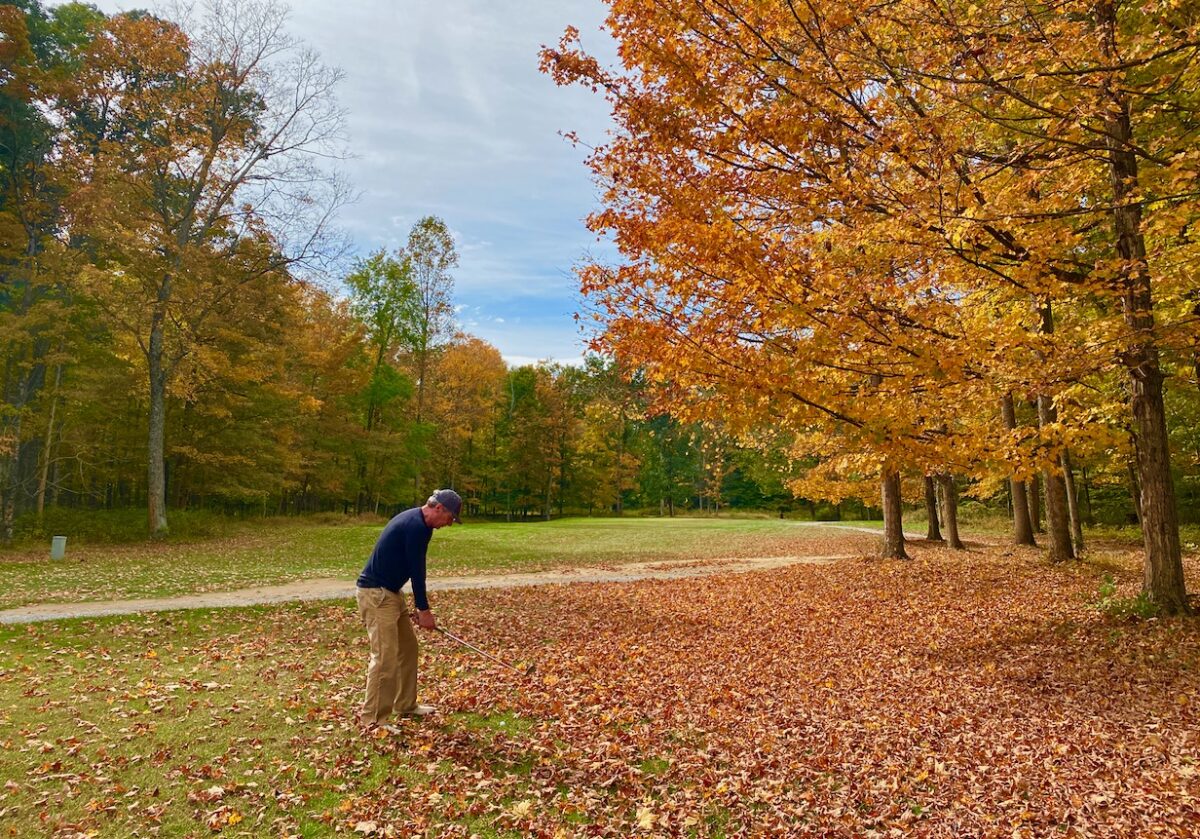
<point>392,672</point>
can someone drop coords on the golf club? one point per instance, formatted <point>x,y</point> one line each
<point>528,671</point>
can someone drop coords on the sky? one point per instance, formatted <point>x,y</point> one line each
<point>448,115</point>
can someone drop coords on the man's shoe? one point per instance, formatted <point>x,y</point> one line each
<point>419,711</point>
<point>379,728</point>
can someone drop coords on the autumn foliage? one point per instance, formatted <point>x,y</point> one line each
<point>866,226</point>
<point>181,327</point>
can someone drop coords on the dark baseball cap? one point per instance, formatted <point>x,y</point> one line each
<point>449,499</point>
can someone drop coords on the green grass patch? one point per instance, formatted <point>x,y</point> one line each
<point>505,721</point>
<point>654,766</point>
<point>208,720</point>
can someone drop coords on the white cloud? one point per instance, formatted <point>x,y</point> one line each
<point>449,115</point>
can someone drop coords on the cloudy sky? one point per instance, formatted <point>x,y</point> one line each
<point>449,115</point>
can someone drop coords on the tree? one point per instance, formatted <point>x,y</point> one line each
<point>200,160</point>
<point>39,331</point>
<point>325,374</point>
<point>858,191</point>
<point>471,376</point>
<point>386,299</point>
<point>429,256</point>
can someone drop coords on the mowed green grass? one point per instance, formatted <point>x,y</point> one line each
<point>179,723</point>
<point>281,551</point>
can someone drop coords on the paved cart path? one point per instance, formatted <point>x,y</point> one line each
<point>337,588</point>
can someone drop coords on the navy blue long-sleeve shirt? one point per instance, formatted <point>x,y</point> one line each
<point>399,556</point>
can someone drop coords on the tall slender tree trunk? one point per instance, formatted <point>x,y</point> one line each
<point>47,448</point>
<point>10,436</point>
<point>1088,516</point>
<point>1035,503</point>
<point>950,509</point>
<point>419,489</point>
<point>11,481</point>
<point>620,505</point>
<point>893,523</point>
<point>1163,572</point>
<point>933,533</point>
<point>1022,524</point>
<point>1057,519</point>
<point>1072,502</point>
<point>156,499</point>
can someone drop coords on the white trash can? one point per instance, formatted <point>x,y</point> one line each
<point>58,547</point>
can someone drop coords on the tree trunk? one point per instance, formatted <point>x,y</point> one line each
<point>11,479</point>
<point>422,381</point>
<point>47,448</point>
<point>156,510</point>
<point>1163,577</point>
<point>620,505</point>
<point>1135,489</point>
<point>1089,517</point>
<point>1163,573</point>
<point>934,533</point>
<point>1035,503</point>
<point>1022,524</point>
<point>1057,520</point>
<point>950,509</point>
<point>893,524</point>
<point>1072,502</point>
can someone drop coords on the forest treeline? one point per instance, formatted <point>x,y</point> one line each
<point>162,206</point>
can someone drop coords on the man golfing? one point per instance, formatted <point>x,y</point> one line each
<point>399,557</point>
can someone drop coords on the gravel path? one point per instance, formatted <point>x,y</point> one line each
<point>334,589</point>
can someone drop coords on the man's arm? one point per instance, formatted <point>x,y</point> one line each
<point>417,547</point>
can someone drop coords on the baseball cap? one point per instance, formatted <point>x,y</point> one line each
<point>449,499</point>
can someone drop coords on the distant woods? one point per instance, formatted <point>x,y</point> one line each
<point>164,194</point>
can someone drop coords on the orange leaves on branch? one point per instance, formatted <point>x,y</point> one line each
<point>844,225</point>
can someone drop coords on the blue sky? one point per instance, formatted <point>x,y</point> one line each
<point>448,115</point>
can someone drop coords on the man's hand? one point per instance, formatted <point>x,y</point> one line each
<point>425,619</point>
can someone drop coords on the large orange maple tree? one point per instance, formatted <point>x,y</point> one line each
<point>872,220</point>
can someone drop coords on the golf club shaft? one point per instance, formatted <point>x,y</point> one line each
<point>483,653</point>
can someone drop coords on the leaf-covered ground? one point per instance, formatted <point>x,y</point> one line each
<point>957,695</point>
<point>285,550</point>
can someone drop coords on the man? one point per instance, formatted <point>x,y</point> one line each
<point>399,557</point>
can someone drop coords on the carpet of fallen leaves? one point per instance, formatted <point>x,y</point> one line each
<point>974,694</point>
